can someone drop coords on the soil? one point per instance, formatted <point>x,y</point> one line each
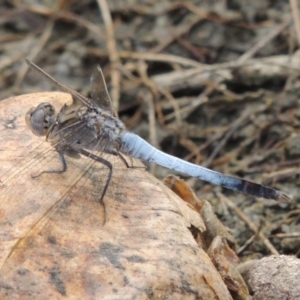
<point>213,82</point>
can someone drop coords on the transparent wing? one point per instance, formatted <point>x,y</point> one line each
<point>77,97</point>
<point>42,217</point>
<point>99,92</point>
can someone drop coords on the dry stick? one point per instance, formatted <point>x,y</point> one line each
<point>174,103</point>
<point>178,79</point>
<point>295,12</point>
<point>261,43</point>
<point>148,98</point>
<point>113,53</point>
<point>286,235</point>
<point>188,109</point>
<point>231,129</point>
<point>8,61</point>
<point>249,223</point>
<point>151,117</point>
<point>298,254</point>
<point>36,50</point>
<point>156,88</point>
<point>199,15</point>
<point>166,43</point>
<point>202,98</point>
<point>203,146</point>
<point>234,126</point>
<point>149,57</point>
<point>291,42</point>
<point>68,16</point>
<point>40,9</point>
<point>250,241</point>
<point>211,15</point>
<point>162,57</point>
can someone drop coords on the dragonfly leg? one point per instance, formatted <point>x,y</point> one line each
<point>63,162</point>
<point>123,159</point>
<point>110,168</point>
<point>129,166</point>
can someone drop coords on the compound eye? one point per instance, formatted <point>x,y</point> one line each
<point>40,119</point>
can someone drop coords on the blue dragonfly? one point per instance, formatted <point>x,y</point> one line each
<point>92,124</point>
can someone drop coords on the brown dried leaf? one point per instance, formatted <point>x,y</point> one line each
<point>225,260</point>
<point>213,226</point>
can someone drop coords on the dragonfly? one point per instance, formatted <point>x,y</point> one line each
<point>90,124</point>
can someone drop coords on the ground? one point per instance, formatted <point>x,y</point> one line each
<point>213,82</point>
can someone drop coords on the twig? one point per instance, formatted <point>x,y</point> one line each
<point>69,16</point>
<point>295,12</point>
<point>279,65</point>
<point>113,53</point>
<point>249,223</point>
<point>149,57</point>
<point>148,98</point>
<point>286,235</point>
<point>36,50</point>
<point>261,43</point>
<point>195,19</point>
<point>234,126</point>
<point>38,8</point>
<point>251,240</point>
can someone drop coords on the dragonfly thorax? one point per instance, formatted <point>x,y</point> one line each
<point>103,123</point>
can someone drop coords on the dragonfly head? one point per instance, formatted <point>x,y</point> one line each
<point>39,119</point>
